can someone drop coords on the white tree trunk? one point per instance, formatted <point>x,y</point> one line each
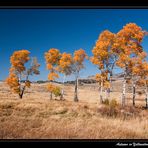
<point>62,93</point>
<point>123,92</point>
<point>101,92</point>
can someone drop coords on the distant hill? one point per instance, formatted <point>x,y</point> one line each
<point>88,80</point>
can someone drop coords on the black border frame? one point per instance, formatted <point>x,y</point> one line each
<point>72,4</point>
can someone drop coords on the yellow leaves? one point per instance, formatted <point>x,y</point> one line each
<point>52,76</point>
<point>65,63</point>
<point>79,56</point>
<point>98,77</point>
<point>50,87</point>
<point>103,77</point>
<point>94,60</point>
<point>18,59</point>
<point>131,31</point>
<point>13,82</point>
<point>102,51</point>
<point>56,90</point>
<point>106,84</point>
<point>52,57</point>
<point>136,70</point>
<point>66,60</point>
<point>49,66</point>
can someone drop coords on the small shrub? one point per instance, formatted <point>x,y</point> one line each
<point>110,109</point>
<point>57,91</point>
<point>113,103</point>
<point>106,102</point>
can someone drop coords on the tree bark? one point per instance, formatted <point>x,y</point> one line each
<point>20,96</point>
<point>50,95</point>
<point>123,92</point>
<point>101,92</point>
<point>110,80</point>
<point>22,93</point>
<point>76,90</point>
<point>62,93</point>
<point>134,93</point>
<point>106,94</point>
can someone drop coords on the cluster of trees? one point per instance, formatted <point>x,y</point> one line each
<point>66,64</point>
<point>123,50</point>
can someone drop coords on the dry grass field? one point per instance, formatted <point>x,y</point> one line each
<point>37,117</point>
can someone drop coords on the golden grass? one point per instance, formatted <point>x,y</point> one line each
<point>36,117</point>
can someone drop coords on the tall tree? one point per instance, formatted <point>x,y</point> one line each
<point>52,58</point>
<point>78,64</point>
<point>104,56</point>
<point>128,43</point>
<point>65,67</point>
<point>18,72</point>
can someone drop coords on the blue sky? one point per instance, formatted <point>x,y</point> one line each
<point>38,30</point>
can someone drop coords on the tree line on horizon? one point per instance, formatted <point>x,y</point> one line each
<point>123,50</point>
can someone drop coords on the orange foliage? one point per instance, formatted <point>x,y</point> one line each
<point>13,82</point>
<point>50,87</point>
<point>18,69</point>
<point>52,58</point>
<point>65,63</point>
<point>79,56</point>
<point>52,76</point>
<point>18,59</point>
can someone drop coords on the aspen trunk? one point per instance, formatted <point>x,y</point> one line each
<point>110,80</point>
<point>50,95</point>
<point>62,93</point>
<point>20,96</point>
<point>101,92</point>
<point>134,94</point>
<point>76,91</point>
<point>105,94</point>
<point>22,93</point>
<point>123,92</point>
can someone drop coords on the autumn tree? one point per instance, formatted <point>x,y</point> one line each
<point>65,67</point>
<point>78,64</point>
<point>140,76</point>
<point>52,58</point>
<point>128,43</point>
<point>19,73</point>
<point>136,65</point>
<point>105,57</point>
